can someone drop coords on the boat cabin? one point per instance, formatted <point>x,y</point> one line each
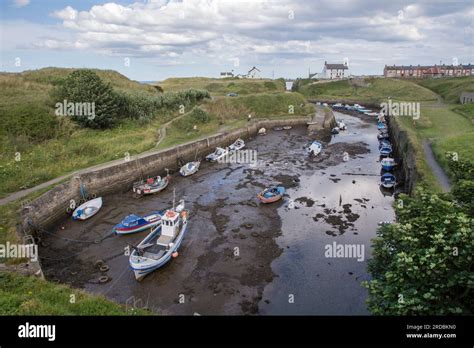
<point>169,228</point>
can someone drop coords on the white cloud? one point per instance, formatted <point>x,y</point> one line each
<point>21,3</point>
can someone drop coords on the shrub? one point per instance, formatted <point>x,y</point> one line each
<point>199,115</point>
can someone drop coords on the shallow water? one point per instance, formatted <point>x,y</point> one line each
<point>240,256</point>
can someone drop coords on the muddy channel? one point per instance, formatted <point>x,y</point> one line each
<point>239,256</point>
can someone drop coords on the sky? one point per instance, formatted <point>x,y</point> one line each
<point>156,39</point>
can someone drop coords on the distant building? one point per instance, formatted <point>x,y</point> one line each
<point>333,71</point>
<point>428,71</point>
<point>226,74</point>
<point>466,97</point>
<point>253,73</point>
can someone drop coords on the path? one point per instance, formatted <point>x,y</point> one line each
<point>439,173</point>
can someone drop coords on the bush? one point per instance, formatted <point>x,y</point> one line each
<point>200,116</point>
<point>270,85</point>
<point>85,86</point>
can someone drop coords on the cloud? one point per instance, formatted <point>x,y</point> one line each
<point>21,3</point>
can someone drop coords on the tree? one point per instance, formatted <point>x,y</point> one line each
<point>85,91</point>
<point>422,265</point>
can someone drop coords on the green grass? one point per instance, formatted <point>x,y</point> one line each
<point>21,295</point>
<point>224,86</point>
<point>368,90</point>
<point>449,88</point>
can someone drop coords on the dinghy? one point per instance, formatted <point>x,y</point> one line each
<point>262,131</point>
<point>335,130</point>
<point>190,168</point>
<point>385,150</point>
<point>383,136</point>
<point>134,223</point>
<point>87,209</point>
<point>388,163</point>
<point>388,180</point>
<point>271,194</point>
<point>237,145</point>
<point>341,125</point>
<point>287,127</point>
<point>151,185</point>
<point>217,154</point>
<point>384,143</point>
<point>161,244</point>
<point>277,128</point>
<point>381,125</point>
<point>315,148</point>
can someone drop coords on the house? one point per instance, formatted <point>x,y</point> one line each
<point>226,74</point>
<point>428,71</point>
<point>253,73</point>
<point>333,71</point>
<point>466,97</point>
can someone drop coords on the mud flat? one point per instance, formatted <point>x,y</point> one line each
<point>241,257</point>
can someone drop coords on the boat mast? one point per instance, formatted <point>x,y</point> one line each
<point>174,196</point>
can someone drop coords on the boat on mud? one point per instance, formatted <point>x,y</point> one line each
<point>381,125</point>
<point>237,145</point>
<point>151,185</point>
<point>190,168</point>
<point>385,150</point>
<point>341,125</point>
<point>262,131</point>
<point>218,153</point>
<point>383,135</point>
<point>135,223</point>
<point>335,130</point>
<point>161,244</point>
<point>271,194</point>
<point>388,180</point>
<point>87,209</point>
<point>315,148</point>
<point>388,163</point>
<point>287,127</point>
<point>384,142</point>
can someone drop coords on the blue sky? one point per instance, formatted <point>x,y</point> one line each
<point>156,39</point>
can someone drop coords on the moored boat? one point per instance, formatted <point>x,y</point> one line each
<point>217,154</point>
<point>161,244</point>
<point>388,180</point>
<point>385,150</point>
<point>388,163</point>
<point>87,209</point>
<point>151,185</point>
<point>190,168</point>
<point>237,145</point>
<point>262,131</point>
<point>381,125</point>
<point>315,148</point>
<point>341,125</point>
<point>135,223</point>
<point>271,194</point>
<point>383,136</point>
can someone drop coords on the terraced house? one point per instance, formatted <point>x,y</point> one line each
<point>427,71</point>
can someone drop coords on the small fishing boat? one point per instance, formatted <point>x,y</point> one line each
<point>383,136</point>
<point>388,163</point>
<point>341,125</point>
<point>315,148</point>
<point>134,223</point>
<point>381,125</point>
<point>87,209</point>
<point>151,185</point>
<point>161,244</point>
<point>262,131</point>
<point>385,150</point>
<point>335,130</point>
<point>384,143</point>
<point>190,168</point>
<point>237,145</point>
<point>217,154</point>
<point>287,127</point>
<point>277,128</point>
<point>271,194</point>
<point>388,180</point>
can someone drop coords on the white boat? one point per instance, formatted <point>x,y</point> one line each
<point>262,131</point>
<point>88,209</point>
<point>341,125</point>
<point>190,168</point>
<point>161,244</point>
<point>315,148</point>
<point>237,145</point>
<point>151,185</point>
<point>218,153</point>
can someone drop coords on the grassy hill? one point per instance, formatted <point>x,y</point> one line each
<point>450,88</point>
<point>367,90</point>
<point>224,86</point>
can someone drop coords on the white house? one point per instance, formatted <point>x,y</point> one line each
<point>253,73</point>
<point>333,71</point>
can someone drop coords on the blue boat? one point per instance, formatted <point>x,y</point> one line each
<point>271,194</point>
<point>161,244</point>
<point>135,223</point>
<point>388,163</point>
<point>382,136</point>
<point>384,143</point>
<point>388,180</point>
<point>385,150</point>
<point>381,125</point>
